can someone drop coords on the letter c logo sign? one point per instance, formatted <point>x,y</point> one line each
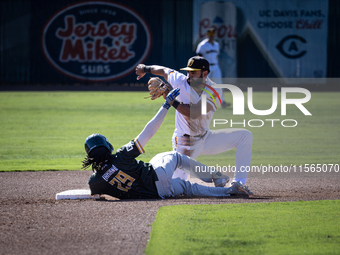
<point>290,46</point>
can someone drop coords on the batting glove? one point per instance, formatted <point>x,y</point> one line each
<point>170,98</point>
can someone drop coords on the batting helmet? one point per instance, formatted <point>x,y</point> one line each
<point>95,141</point>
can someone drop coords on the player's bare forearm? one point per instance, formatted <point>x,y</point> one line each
<point>160,70</point>
<point>142,69</point>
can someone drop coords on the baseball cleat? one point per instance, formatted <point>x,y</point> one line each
<point>219,179</point>
<point>238,188</point>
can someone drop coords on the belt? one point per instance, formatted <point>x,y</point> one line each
<point>195,136</point>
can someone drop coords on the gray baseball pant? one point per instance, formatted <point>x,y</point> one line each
<point>166,163</point>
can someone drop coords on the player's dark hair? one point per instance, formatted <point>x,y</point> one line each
<point>98,158</point>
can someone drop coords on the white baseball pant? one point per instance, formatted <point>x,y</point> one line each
<point>215,142</point>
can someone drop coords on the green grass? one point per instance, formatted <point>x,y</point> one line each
<point>46,130</point>
<point>262,228</point>
<point>314,140</point>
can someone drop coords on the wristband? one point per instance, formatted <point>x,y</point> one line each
<point>166,105</point>
<point>175,104</point>
<point>147,69</point>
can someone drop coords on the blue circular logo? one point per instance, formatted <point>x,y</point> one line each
<point>96,41</point>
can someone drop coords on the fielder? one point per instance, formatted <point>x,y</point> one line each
<point>192,136</point>
<point>210,49</point>
<point>122,176</point>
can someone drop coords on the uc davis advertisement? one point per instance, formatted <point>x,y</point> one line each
<point>291,35</point>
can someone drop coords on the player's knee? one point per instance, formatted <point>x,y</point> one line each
<point>248,136</point>
<point>180,187</point>
<point>175,156</point>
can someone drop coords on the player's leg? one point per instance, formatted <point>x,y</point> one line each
<point>166,163</point>
<point>218,141</point>
<point>182,145</point>
<point>180,187</point>
<point>173,160</point>
<point>198,170</point>
<point>184,149</point>
<point>193,150</point>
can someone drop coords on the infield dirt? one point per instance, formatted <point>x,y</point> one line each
<point>33,222</point>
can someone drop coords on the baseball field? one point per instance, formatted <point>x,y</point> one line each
<point>43,134</point>
<point>46,130</point>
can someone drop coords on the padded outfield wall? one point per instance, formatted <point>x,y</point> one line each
<point>84,42</point>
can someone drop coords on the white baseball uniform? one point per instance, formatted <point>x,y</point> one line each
<point>210,52</point>
<point>192,137</point>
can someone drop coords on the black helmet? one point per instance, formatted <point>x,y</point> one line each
<point>97,140</point>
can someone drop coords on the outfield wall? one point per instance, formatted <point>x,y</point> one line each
<point>83,42</point>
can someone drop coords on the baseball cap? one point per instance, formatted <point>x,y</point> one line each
<point>197,63</point>
<point>211,31</point>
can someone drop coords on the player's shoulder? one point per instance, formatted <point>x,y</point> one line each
<point>210,82</point>
<point>130,150</point>
<point>178,80</point>
<point>212,86</point>
<point>215,94</point>
<point>203,42</point>
<point>176,75</point>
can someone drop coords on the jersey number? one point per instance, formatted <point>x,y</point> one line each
<point>123,180</point>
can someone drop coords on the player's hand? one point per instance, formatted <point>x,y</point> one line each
<point>140,71</point>
<point>170,98</point>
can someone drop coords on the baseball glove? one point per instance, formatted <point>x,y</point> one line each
<point>158,88</point>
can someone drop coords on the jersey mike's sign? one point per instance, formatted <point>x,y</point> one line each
<point>96,41</point>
